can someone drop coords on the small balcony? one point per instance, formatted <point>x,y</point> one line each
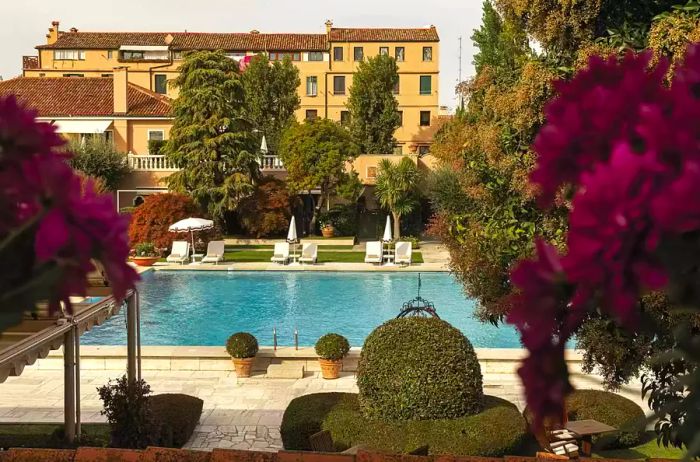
<point>149,163</point>
<point>271,164</point>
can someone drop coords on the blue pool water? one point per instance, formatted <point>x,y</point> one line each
<point>204,308</point>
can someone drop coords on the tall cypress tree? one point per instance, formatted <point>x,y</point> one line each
<point>211,140</point>
<point>374,115</point>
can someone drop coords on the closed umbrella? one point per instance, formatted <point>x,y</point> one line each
<point>292,236</point>
<point>191,225</point>
<point>263,146</point>
<point>387,238</point>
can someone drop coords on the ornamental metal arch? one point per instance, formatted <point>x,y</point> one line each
<point>418,306</point>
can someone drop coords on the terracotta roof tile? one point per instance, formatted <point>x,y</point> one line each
<point>83,96</point>
<point>192,41</point>
<point>384,35</point>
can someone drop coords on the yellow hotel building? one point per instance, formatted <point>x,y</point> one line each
<point>326,63</point>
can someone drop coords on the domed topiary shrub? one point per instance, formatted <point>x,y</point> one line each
<point>331,349</point>
<point>418,369</point>
<point>608,408</point>
<point>242,347</point>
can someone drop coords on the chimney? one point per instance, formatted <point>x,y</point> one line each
<point>120,84</point>
<point>52,36</point>
<point>74,30</point>
<point>254,31</point>
<point>329,26</point>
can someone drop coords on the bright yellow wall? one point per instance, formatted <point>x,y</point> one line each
<point>327,104</point>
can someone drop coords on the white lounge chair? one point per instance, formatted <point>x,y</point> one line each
<point>374,252</point>
<point>180,252</point>
<point>215,252</point>
<point>403,252</point>
<point>281,253</point>
<point>309,253</point>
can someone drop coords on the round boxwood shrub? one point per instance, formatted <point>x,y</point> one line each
<point>608,408</point>
<point>498,430</point>
<point>418,368</point>
<point>242,345</point>
<point>332,347</point>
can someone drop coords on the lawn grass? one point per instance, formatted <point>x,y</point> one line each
<point>247,256</point>
<point>51,436</point>
<point>270,247</point>
<point>648,449</point>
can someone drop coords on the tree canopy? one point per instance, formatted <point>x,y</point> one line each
<point>315,154</point>
<point>98,158</point>
<point>271,96</point>
<point>374,115</point>
<point>211,139</point>
<point>397,189</point>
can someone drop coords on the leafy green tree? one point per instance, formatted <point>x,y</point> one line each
<point>211,140</point>
<point>350,187</point>
<point>271,96</point>
<point>315,154</point>
<point>374,115</point>
<point>98,158</point>
<point>397,189</point>
<point>501,45</point>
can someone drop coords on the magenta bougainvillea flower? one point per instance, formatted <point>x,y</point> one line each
<point>71,225</point>
<point>628,145</point>
<point>600,106</point>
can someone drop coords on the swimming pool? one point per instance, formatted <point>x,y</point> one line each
<point>205,307</point>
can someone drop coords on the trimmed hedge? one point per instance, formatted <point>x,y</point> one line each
<point>332,347</point>
<point>608,408</point>
<point>175,416</point>
<point>418,369</point>
<point>498,430</point>
<point>242,345</point>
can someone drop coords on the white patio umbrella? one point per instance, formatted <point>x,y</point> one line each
<point>263,146</point>
<point>191,225</point>
<point>292,237</point>
<point>387,230</point>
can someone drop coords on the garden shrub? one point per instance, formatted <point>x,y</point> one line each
<point>175,416</point>
<point>268,210</point>
<point>128,411</point>
<point>150,220</point>
<point>98,158</point>
<point>608,408</point>
<point>499,429</point>
<point>416,369</point>
<point>332,347</point>
<point>344,219</point>
<point>154,147</point>
<point>242,345</point>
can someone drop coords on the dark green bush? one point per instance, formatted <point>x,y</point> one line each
<point>417,369</point>
<point>498,430</point>
<point>128,411</point>
<point>344,219</point>
<point>332,347</point>
<point>608,408</point>
<point>154,147</point>
<point>146,249</point>
<point>175,416</point>
<point>242,345</point>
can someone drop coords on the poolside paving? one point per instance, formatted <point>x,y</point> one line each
<point>238,413</point>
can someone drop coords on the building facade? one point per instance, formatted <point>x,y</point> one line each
<point>326,64</point>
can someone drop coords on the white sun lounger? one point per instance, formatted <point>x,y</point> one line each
<point>309,253</point>
<point>403,253</point>
<point>281,253</point>
<point>215,252</point>
<point>180,252</point>
<point>373,252</point>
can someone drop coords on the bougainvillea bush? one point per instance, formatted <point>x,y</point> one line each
<point>623,148</point>
<point>54,226</point>
<point>150,221</point>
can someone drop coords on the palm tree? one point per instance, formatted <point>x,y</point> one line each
<point>396,189</point>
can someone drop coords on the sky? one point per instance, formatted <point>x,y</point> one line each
<point>24,23</point>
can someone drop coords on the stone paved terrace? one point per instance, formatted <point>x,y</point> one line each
<point>238,413</point>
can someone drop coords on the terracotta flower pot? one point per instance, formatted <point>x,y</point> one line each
<point>328,231</point>
<point>145,261</point>
<point>243,366</point>
<point>330,369</point>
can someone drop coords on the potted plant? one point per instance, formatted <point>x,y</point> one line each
<point>145,254</point>
<point>325,222</point>
<point>331,349</point>
<point>242,347</point>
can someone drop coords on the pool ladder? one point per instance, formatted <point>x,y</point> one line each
<point>274,338</point>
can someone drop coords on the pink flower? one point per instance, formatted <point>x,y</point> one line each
<point>612,236</point>
<point>541,303</point>
<point>596,109</point>
<point>546,378</point>
<point>677,210</point>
